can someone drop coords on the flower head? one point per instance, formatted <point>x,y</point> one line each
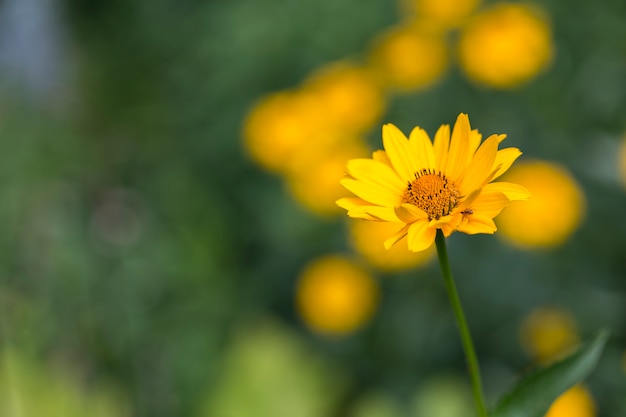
<point>425,186</point>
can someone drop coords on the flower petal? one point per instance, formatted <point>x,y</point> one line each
<point>441,145</point>
<point>372,193</point>
<point>477,171</point>
<point>399,151</point>
<point>474,141</point>
<point>409,213</point>
<point>396,237</point>
<point>488,204</point>
<point>385,214</point>
<point>512,191</point>
<point>349,203</point>
<point>421,236</point>
<point>458,154</point>
<point>477,224</point>
<point>376,173</point>
<point>381,156</point>
<point>423,148</point>
<point>504,159</point>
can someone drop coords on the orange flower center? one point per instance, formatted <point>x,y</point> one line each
<point>433,193</point>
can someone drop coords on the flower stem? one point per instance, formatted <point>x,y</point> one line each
<point>466,338</point>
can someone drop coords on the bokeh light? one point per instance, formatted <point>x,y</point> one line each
<point>547,332</point>
<point>506,45</point>
<point>409,58</point>
<point>352,101</point>
<point>575,402</point>
<point>442,13</point>
<point>335,296</point>
<point>282,125</point>
<point>552,213</point>
<point>314,177</point>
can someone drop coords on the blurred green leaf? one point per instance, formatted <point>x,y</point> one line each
<point>534,394</point>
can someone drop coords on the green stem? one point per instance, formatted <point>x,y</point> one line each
<point>466,338</point>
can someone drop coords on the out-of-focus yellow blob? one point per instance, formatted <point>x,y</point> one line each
<point>442,13</point>
<point>548,332</point>
<point>281,125</point>
<point>352,99</point>
<point>367,238</point>
<point>552,213</point>
<point>409,58</point>
<point>314,177</point>
<point>575,402</point>
<point>335,296</point>
<point>506,45</point>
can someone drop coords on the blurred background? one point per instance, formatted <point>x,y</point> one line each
<point>170,242</point>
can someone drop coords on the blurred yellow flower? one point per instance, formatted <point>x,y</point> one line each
<point>409,58</point>
<point>548,332</point>
<point>313,179</point>
<point>424,186</point>
<point>442,13</point>
<point>352,99</point>
<point>506,45</point>
<point>279,126</point>
<point>335,296</point>
<point>551,215</point>
<point>575,402</point>
<point>367,239</point>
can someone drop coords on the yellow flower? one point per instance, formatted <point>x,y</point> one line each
<point>575,402</point>
<point>409,58</point>
<point>506,45</point>
<point>426,186</point>
<point>352,99</point>
<point>443,13</point>
<point>335,296</point>
<point>548,332</point>
<point>551,215</point>
<point>279,126</point>
<point>366,238</point>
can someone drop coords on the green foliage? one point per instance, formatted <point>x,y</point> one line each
<point>533,395</point>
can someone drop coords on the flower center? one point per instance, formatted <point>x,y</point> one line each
<point>433,193</point>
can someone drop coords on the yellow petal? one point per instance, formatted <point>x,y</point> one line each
<point>477,171</point>
<point>504,159</point>
<point>399,151</point>
<point>458,154</point>
<point>409,213</point>
<point>421,236</point>
<point>381,156</point>
<point>477,224</point>
<point>511,191</point>
<point>488,204</point>
<point>349,203</point>
<point>376,173</point>
<point>396,237</point>
<point>378,213</point>
<point>474,141</point>
<point>441,145</point>
<point>423,148</point>
<point>374,194</point>
<point>447,224</point>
